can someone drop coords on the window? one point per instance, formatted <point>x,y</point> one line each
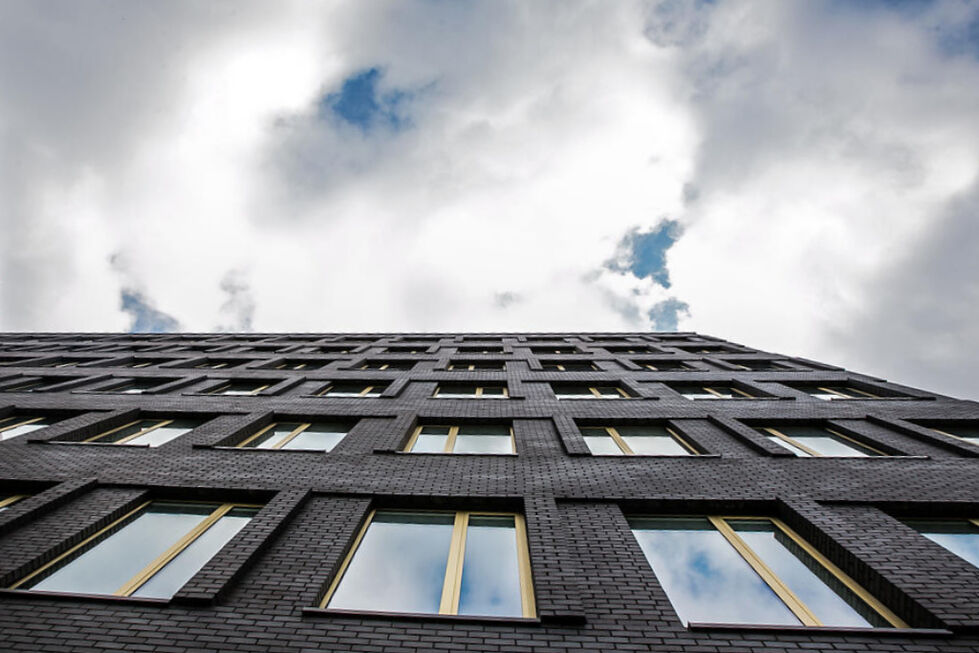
<point>472,366</point>
<point>703,349</point>
<point>554,350</point>
<point>217,364</point>
<point>752,570</point>
<point>341,389</point>
<point>960,536</point>
<point>714,391</point>
<point>334,349</point>
<point>14,425</point>
<point>143,362</point>
<point>136,386</point>
<point>967,432</point>
<point>468,563</point>
<point>480,350</point>
<point>758,365</point>
<point>815,441</point>
<point>7,500</point>
<point>470,391</point>
<point>589,392</point>
<point>145,432</point>
<point>38,384</point>
<point>467,438</point>
<point>555,366</point>
<point>239,387</point>
<point>631,349</point>
<point>647,440</point>
<point>297,436</point>
<point>298,364</point>
<point>66,362</point>
<point>831,392</point>
<point>405,350</point>
<point>388,365</point>
<point>149,553</point>
<point>662,366</point>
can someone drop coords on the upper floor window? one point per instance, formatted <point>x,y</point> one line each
<point>472,366</point>
<point>38,384</point>
<point>758,365</point>
<point>712,391</point>
<point>967,432</point>
<point>305,436</point>
<point>646,440</point>
<point>663,365</point>
<point>66,362</point>
<point>150,552</point>
<point>571,366</point>
<point>585,391</point>
<point>816,441</point>
<point>703,349</point>
<point>143,362</point>
<point>14,425</point>
<point>146,432</point>
<point>631,349</point>
<point>7,500</point>
<point>406,350</point>
<point>466,438</point>
<point>298,364</point>
<point>471,391</point>
<point>388,365</point>
<point>335,349</point>
<point>480,349</point>
<point>960,536</point>
<point>752,570</point>
<point>834,391</point>
<point>341,389</point>
<point>466,563</point>
<point>219,363</point>
<point>554,350</point>
<point>136,386</point>
<point>240,387</point>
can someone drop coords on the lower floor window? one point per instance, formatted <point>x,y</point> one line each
<point>7,500</point>
<point>467,563</point>
<point>150,552</point>
<point>11,427</point>
<point>304,436</point>
<point>752,570</point>
<point>960,536</point>
<point>467,438</point>
<point>146,432</point>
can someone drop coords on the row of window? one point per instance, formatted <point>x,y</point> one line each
<point>481,390</point>
<point>804,441</point>
<point>714,569</point>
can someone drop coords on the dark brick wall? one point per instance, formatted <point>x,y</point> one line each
<point>594,589</point>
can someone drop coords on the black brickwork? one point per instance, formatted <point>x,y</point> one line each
<point>594,589</point>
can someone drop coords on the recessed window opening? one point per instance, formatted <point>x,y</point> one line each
<point>297,436</point>
<point>646,440</point>
<point>816,441</point>
<point>465,438</point>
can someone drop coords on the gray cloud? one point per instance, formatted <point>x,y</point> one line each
<point>238,310</point>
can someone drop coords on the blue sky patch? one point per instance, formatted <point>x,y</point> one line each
<point>361,103</point>
<point>143,317</point>
<point>665,315</point>
<point>645,253</point>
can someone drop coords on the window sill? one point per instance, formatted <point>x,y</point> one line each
<point>442,453</point>
<point>820,630</point>
<point>837,458</point>
<point>414,616</point>
<point>649,455</point>
<point>73,596</point>
<point>255,449</point>
<point>97,444</point>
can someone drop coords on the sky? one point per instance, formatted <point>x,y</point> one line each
<point>798,176</point>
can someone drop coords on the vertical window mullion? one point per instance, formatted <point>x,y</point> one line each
<point>712,391</point>
<point>676,436</point>
<point>14,498</point>
<point>151,569</point>
<point>594,391</point>
<point>453,566</point>
<point>479,391</point>
<point>450,439</point>
<point>626,449</point>
<point>292,435</point>
<point>787,596</point>
<point>260,432</point>
<point>856,442</point>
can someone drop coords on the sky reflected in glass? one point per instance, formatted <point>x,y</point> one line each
<point>164,434</point>
<point>820,440</point>
<point>490,572</point>
<point>959,536</point>
<point>318,437</point>
<point>651,441</point>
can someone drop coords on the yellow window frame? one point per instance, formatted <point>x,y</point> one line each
<point>300,427</point>
<point>157,563</point>
<point>813,452</point>
<point>12,499</point>
<point>849,388</point>
<point>450,440</point>
<point>221,388</point>
<point>23,422</point>
<point>160,423</point>
<point>936,430</point>
<point>367,389</point>
<point>478,391</point>
<point>452,582</point>
<point>597,393</point>
<point>627,450</point>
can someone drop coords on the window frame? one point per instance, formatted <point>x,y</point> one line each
<point>10,499</point>
<point>452,580</point>
<point>815,454</point>
<point>219,390</point>
<point>627,450</point>
<point>772,580</point>
<point>960,438</point>
<point>841,395</point>
<point>717,395</point>
<point>154,566</point>
<point>450,441</point>
<point>159,424</point>
<point>477,392</point>
<point>362,394</point>
<point>24,422</point>
<point>473,366</point>
<point>301,426</point>
<point>595,394</point>
<point>560,367</point>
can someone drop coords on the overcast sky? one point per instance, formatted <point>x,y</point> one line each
<point>802,177</point>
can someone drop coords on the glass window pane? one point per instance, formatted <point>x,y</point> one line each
<point>966,432</point>
<point>490,571</point>
<point>164,434</point>
<point>273,436</point>
<point>166,582</point>
<point>108,565</point>
<point>609,391</point>
<point>651,441</point>
<point>399,565</point>
<point>318,437</point>
<point>126,431</point>
<point>704,577</point>
<point>788,445</point>
<point>825,442</point>
<point>603,445</point>
<point>429,443</point>
<point>476,443</point>
<point>828,598</point>
<point>961,537</point>
<point>22,429</point>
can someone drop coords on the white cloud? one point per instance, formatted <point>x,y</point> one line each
<point>804,147</point>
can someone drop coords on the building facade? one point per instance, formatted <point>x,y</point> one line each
<point>482,492</point>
